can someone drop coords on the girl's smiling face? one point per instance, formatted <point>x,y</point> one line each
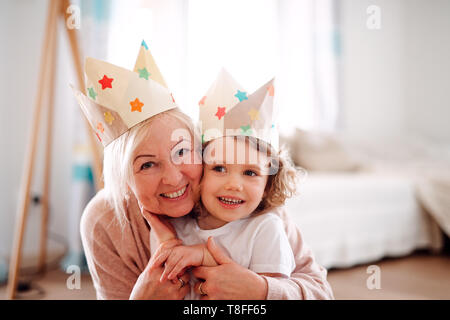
<point>234,180</point>
<point>166,171</point>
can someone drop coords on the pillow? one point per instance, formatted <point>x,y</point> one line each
<point>317,151</point>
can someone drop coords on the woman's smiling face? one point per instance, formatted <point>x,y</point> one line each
<point>166,169</point>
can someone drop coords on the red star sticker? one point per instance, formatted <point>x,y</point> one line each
<point>202,102</point>
<point>98,137</point>
<point>136,105</point>
<point>220,112</point>
<point>106,82</point>
<point>271,90</point>
<point>173,100</point>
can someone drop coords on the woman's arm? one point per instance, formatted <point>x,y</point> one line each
<point>231,281</point>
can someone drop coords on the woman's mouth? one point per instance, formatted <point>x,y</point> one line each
<point>229,202</point>
<point>176,195</point>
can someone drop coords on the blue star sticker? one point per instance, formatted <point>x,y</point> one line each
<point>241,95</point>
<point>144,45</point>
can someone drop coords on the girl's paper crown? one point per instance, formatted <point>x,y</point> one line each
<point>227,110</point>
<point>119,98</point>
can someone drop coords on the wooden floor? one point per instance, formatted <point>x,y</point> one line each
<point>419,276</point>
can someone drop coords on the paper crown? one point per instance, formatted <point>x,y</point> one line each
<point>227,110</point>
<point>119,98</point>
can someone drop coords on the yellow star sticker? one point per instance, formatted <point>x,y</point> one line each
<point>254,114</point>
<point>109,118</point>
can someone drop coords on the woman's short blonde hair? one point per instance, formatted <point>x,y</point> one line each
<point>118,157</point>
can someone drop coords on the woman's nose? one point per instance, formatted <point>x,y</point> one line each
<point>233,184</point>
<point>172,175</point>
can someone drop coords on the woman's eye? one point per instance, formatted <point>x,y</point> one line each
<point>219,168</point>
<point>250,173</point>
<point>183,152</point>
<point>147,165</point>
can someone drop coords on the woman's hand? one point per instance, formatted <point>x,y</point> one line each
<point>162,228</point>
<point>148,285</point>
<point>228,281</point>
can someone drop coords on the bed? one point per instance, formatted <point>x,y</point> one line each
<point>350,219</point>
<point>360,215</point>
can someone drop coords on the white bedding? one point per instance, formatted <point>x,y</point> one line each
<point>355,218</point>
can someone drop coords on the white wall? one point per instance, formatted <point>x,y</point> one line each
<point>428,73</point>
<point>373,68</point>
<point>22,30</point>
<point>396,80</point>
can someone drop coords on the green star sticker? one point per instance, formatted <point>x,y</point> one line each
<point>92,93</point>
<point>246,130</point>
<point>143,73</point>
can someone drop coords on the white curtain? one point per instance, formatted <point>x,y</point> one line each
<point>297,41</point>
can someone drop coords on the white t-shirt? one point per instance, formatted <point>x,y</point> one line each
<point>257,243</point>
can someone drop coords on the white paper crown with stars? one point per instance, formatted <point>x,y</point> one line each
<point>227,110</point>
<point>119,98</point>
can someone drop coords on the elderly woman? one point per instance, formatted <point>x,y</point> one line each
<point>151,173</point>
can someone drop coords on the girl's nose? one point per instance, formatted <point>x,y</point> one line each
<point>234,184</point>
<point>172,175</point>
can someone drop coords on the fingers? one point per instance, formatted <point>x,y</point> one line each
<point>178,269</point>
<point>201,272</point>
<point>171,262</point>
<point>200,288</point>
<point>218,253</point>
<point>163,251</point>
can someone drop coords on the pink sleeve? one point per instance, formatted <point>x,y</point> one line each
<point>112,277</point>
<point>308,280</point>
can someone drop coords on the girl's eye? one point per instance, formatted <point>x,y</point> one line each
<point>250,173</point>
<point>219,168</point>
<point>147,165</point>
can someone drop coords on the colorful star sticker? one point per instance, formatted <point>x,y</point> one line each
<point>254,114</point>
<point>246,130</point>
<point>136,105</point>
<point>271,90</point>
<point>144,45</point>
<point>92,93</point>
<point>143,73</point>
<point>202,102</point>
<point>220,112</point>
<point>96,133</point>
<point>109,118</point>
<point>100,127</point>
<point>173,100</point>
<point>241,95</point>
<point>203,138</point>
<point>106,82</point>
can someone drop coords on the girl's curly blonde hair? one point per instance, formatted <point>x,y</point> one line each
<point>283,181</point>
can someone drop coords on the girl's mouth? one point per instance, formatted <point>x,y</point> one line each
<point>230,203</point>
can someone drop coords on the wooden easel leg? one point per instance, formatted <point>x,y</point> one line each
<point>50,88</point>
<point>94,145</point>
<point>30,154</point>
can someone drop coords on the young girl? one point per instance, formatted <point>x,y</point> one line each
<point>244,178</point>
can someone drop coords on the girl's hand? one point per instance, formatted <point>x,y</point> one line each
<point>179,258</point>
<point>228,280</point>
<point>149,287</point>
